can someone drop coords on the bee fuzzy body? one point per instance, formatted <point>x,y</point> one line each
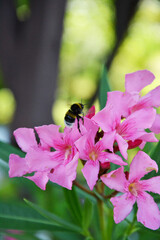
<point>72,114</point>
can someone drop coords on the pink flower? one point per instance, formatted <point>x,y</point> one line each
<point>130,129</point>
<point>134,190</point>
<point>59,165</point>
<point>94,154</point>
<point>132,100</point>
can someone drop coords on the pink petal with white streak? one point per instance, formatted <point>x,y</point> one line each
<point>90,172</point>
<point>148,213</point>
<point>136,81</point>
<point>122,206</point>
<point>115,180</point>
<point>25,138</point>
<point>141,165</point>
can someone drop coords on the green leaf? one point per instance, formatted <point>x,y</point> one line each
<point>74,205</point>
<point>104,87</point>
<point>21,217</point>
<point>6,149</point>
<point>54,218</point>
<point>155,154</point>
<point>87,214</point>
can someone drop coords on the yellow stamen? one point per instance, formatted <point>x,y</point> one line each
<point>93,156</point>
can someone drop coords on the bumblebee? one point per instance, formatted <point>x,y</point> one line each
<point>72,114</point>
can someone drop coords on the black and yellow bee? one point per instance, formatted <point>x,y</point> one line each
<point>74,112</point>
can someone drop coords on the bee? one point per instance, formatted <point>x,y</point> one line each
<point>74,112</point>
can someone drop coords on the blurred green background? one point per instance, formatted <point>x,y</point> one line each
<point>88,39</point>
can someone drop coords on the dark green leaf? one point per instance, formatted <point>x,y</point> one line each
<point>21,217</point>
<point>103,88</point>
<point>54,218</point>
<point>6,149</point>
<point>74,205</point>
<point>87,213</point>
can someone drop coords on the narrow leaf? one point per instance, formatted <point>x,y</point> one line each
<point>103,88</point>
<point>87,213</point>
<point>6,149</point>
<point>54,218</point>
<point>74,204</point>
<point>21,217</point>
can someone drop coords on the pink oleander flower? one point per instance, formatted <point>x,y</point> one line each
<point>131,100</point>
<point>132,128</point>
<point>58,166</point>
<point>94,154</point>
<point>134,190</point>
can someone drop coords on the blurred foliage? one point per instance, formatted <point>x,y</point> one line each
<point>88,39</point>
<point>7,106</point>
<point>22,9</point>
<point>141,47</point>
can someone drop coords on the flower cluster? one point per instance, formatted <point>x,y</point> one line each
<point>119,126</point>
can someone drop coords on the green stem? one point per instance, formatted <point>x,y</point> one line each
<point>101,218</point>
<point>129,229</point>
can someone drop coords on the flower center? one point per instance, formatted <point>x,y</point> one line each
<point>134,188</point>
<point>93,155</point>
<point>68,151</point>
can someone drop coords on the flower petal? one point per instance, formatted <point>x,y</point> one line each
<point>108,140</point>
<point>25,138</point>
<point>133,126</point>
<point>90,172</point>
<point>122,206</point>
<point>123,145</point>
<point>115,179</point>
<point>111,157</point>
<point>148,213</point>
<point>41,160</point>
<point>136,81</point>
<point>156,125</point>
<point>141,165</point>
<point>64,175</point>
<point>148,137</point>
<point>154,96</point>
<point>108,117</point>
<point>152,184</point>
<point>40,179</point>
<point>17,166</point>
<point>85,144</point>
<point>48,134</point>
